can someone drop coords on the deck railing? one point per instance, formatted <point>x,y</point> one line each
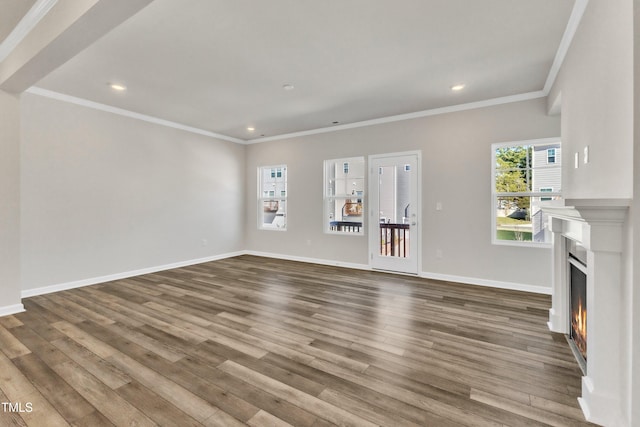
<point>394,239</point>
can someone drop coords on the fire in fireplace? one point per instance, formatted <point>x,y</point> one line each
<point>578,300</point>
<point>579,327</point>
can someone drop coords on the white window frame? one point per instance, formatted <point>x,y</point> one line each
<point>495,194</point>
<point>554,156</point>
<point>276,171</point>
<point>329,198</point>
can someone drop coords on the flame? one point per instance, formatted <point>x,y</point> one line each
<point>579,324</point>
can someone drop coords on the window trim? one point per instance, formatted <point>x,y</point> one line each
<point>495,195</point>
<point>549,156</point>
<point>326,198</point>
<point>275,173</point>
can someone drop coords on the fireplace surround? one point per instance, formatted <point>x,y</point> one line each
<point>596,225</point>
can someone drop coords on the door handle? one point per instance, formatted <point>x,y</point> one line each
<point>414,223</point>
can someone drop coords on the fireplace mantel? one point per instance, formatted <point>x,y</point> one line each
<point>591,211</point>
<point>598,225</point>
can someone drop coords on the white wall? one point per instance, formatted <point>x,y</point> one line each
<point>9,204</point>
<point>596,84</point>
<point>456,159</point>
<point>104,194</point>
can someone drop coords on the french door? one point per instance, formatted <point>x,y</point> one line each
<point>394,212</point>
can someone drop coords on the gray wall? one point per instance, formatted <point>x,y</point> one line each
<point>9,203</point>
<point>634,233</point>
<point>456,170</point>
<point>104,194</point>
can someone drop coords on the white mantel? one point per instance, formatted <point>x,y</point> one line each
<point>597,224</point>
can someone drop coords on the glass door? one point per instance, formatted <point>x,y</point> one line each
<point>394,212</point>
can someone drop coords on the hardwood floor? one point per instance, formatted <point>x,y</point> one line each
<point>266,342</point>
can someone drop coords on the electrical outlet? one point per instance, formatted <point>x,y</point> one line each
<point>438,206</point>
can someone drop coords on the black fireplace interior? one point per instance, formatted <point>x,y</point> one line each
<point>578,330</point>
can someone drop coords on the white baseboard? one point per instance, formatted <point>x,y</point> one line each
<point>11,309</point>
<point>319,261</point>
<point>488,283</point>
<point>426,275</point>
<point>108,278</point>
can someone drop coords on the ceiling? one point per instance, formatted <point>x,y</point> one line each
<point>12,13</point>
<point>220,65</point>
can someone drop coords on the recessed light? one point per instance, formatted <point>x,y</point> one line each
<point>251,129</point>
<point>288,87</point>
<point>117,86</point>
<point>457,88</point>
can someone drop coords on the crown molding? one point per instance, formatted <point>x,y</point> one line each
<point>572,26</point>
<point>425,113</point>
<point>24,27</point>
<point>126,113</point>
<point>432,112</point>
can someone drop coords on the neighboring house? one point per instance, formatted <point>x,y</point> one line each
<point>546,178</point>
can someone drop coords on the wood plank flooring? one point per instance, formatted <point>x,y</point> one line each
<point>263,342</point>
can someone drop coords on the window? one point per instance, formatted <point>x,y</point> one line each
<point>344,196</point>
<point>524,180</point>
<point>272,209</point>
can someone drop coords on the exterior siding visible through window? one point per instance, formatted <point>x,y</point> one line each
<point>526,176</point>
<point>272,197</point>
<point>344,196</point>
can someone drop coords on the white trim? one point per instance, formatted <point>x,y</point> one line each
<point>425,275</point>
<point>570,31</point>
<point>539,141</point>
<point>432,112</point>
<point>326,198</point>
<point>572,26</point>
<point>24,27</point>
<point>11,309</point>
<point>494,194</point>
<point>318,261</point>
<point>118,276</point>
<point>415,231</point>
<point>487,283</point>
<point>17,308</point>
<point>262,198</point>
<point>126,113</point>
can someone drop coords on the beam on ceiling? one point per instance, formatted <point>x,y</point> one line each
<point>69,27</point>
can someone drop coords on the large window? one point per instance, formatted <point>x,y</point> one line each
<point>344,196</point>
<point>272,197</point>
<point>524,180</point>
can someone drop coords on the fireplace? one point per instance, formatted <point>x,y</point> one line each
<point>577,259</point>
<point>588,279</point>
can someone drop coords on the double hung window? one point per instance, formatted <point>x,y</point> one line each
<point>526,176</point>
<point>344,196</point>
<point>272,197</point>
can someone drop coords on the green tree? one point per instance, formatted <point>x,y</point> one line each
<point>512,166</point>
